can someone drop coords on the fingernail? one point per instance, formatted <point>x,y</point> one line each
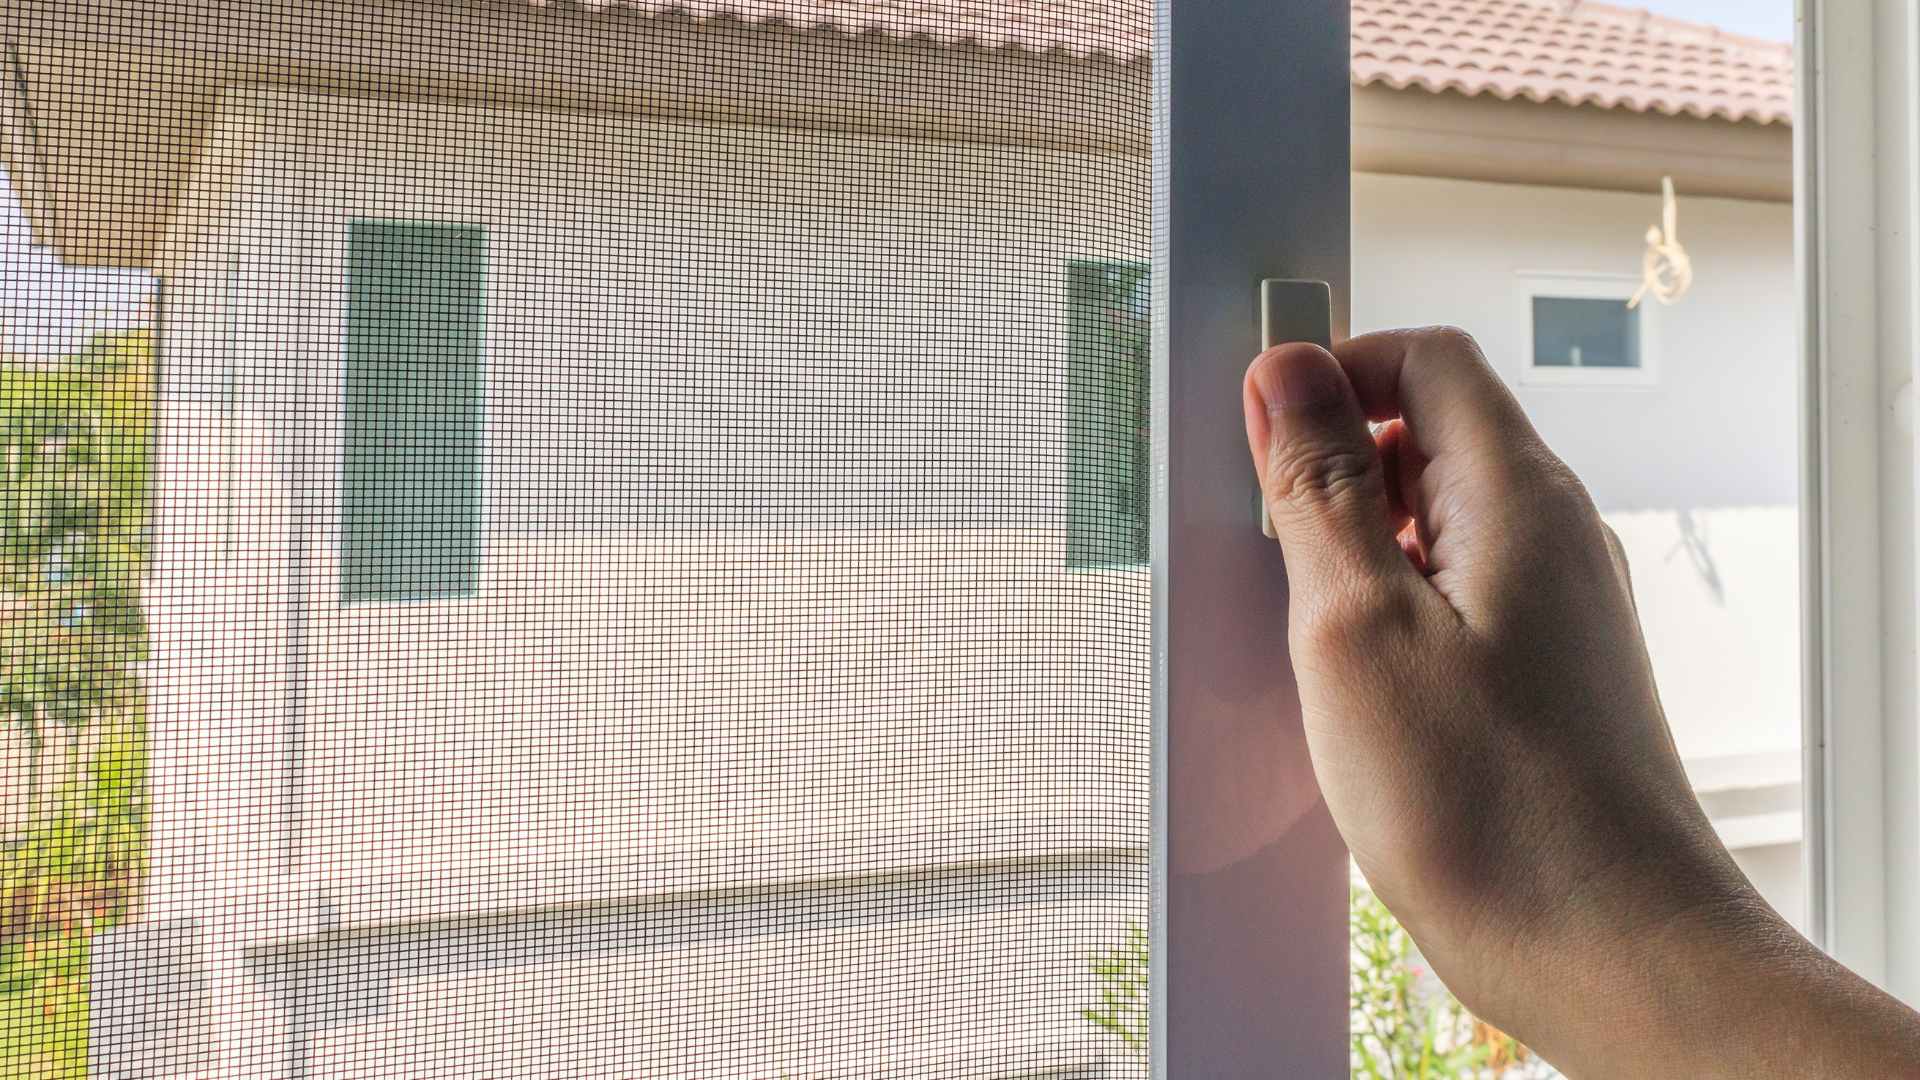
<point>1295,378</point>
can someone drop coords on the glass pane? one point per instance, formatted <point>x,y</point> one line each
<point>1581,332</point>
<point>1521,219</point>
<point>618,554</point>
<point>415,334</point>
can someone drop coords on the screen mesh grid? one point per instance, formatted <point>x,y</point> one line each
<point>559,541</point>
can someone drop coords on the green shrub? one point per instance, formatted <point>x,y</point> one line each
<point>1401,1029</point>
<point>76,445</point>
<point>1123,1009</point>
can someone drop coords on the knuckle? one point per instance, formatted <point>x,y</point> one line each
<point>1312,473</point>
<point>1555,513</point>
<point>1613,541</point>
<point>1622,566</point>
<point>1453,339</point>
<point>1447,345</point>
<point>1548,490</point>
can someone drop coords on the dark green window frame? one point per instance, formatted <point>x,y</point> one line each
<point>413,410</point>
<point>1108,446</point>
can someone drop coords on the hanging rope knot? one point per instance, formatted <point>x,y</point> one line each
<point>1666,269</point>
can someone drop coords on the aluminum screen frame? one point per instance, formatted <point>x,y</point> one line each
<point>1252,165</point>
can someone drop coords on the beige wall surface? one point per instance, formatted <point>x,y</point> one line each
<point>774,591</point>
<point>1696,469</point>
<point>774,465</point>
<point>1718,426</point>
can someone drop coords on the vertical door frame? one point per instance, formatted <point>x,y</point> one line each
<point>1857,136</point>
<point>1252,180</point>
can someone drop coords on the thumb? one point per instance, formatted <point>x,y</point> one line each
<point>1320,472</point>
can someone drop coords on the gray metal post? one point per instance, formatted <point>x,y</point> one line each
<point>1251,177</point>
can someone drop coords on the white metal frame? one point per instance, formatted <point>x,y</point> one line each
<point>1857,137</point>
<point>1529,284</point>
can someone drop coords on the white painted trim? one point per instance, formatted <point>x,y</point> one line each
<point>1903,778</point>
<point>1857,214</point>
<point>1743,772</point>
<point>1530,284</point>
<point>1415,132</point>
<point>1743,832</point>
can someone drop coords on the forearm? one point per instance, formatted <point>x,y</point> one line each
<point>1733,992</point>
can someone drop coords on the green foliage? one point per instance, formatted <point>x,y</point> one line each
<point>1401,1031</point>
<point>76,458</point>
<point>1122,974</point>
<point>1398,1032</point>
<point>43,1008</point>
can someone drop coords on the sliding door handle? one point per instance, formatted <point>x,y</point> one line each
<point>1291,310</point>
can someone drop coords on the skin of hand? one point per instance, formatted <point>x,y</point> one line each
<point>1481,713</point>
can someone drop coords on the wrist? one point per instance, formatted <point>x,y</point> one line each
<point>1726,988</point>
<point>1687,996</point>
<point>1635,981</point>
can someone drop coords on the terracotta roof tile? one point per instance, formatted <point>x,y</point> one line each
<point>1572,51</point>
<point>1116,28</point>
<point>1579,52</point>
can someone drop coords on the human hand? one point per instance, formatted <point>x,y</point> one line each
<point>1482,718</point>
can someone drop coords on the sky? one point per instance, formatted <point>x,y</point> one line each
<point>49,310</point>
<point>1756,18</point>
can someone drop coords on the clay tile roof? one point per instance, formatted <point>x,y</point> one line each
<point>1118,28</point>
<point>1572,51</point>
<point>1579,52</point>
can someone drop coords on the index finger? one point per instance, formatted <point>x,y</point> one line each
<point>1438,381</point>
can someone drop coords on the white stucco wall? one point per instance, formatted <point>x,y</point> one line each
<point>774,591</point>
<point>1696,471</point>
<point>1718,428</point>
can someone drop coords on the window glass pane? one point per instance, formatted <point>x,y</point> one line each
<point>1534,246</point>
<point>411,495</point>
<point>1108,443</point>
<point>1582,332</point>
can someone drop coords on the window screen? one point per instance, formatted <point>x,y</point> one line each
<point>558,540</point>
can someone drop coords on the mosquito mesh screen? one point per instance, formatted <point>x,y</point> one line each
<point>567,541</point>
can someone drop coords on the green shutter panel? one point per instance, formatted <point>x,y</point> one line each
<point>414,399</point>
<point>1107,440</point>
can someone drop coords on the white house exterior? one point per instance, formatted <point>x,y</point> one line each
<point>772,675</point>
<point>1696,469</point>
<point>644,608</point>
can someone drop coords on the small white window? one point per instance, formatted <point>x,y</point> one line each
<point>1581,332</point>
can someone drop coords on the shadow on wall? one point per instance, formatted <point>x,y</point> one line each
<point>1719,600</point>
<point>1693,543</point>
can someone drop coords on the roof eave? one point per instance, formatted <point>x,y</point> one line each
<point>729,71</point>
<point>1422,133</point>
<point>20,147</point>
